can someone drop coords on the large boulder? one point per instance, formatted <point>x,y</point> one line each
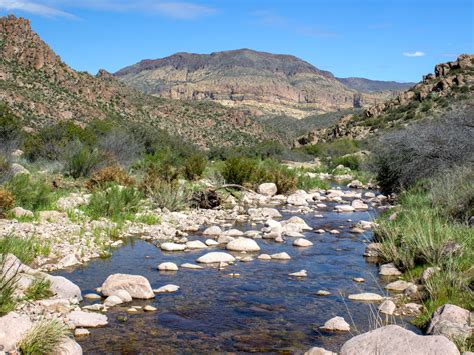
<point>298,198</point>
<point>172,247</point>
<point>68,347</point>
<point>137,286</point>
<point>267,189</point>
<point>215,257</point>
<point>243,244</point>
<point>13,327</point>
<point>212,231</point>
<point>393,339</point>
<point>63,288</point>
<point>81,319</point>
<point>451,321</point>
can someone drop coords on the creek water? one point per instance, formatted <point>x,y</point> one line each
<point>262,311</point>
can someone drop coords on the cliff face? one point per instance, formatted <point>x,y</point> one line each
<point>269,84</point>
<point>39,87</point>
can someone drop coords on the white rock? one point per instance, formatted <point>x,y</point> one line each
<point>13,327</point>
<point>224,239</point>
<point>301,242</point>
<point>359,205</point>
<point>191,266</point>
<point>344,208</point>
<point>172,246</point>
<point>336,324</point>
<point>270,212</point>
<point>319,351</point>
<point>253,234</point>
<point>264,257</point>
<point>63,288</point>
<point>69,260</point>
<point>451,321</point>
<point>233,233</point>
<point>81,319</point>
<point>334,231</point>
<point>19,212</point>
<point>281,256</point>
<point>399,285</point>
<point>195,244</point>
<point>320,231</point>
<point>297,199</point>
<point>393,339</point>
<point>293,234</point>
<point>112,301</point>
<point>137,286</point>
<point>212,231</point>
<point>215,257</point>
<point>68,347</point>
<point>52,216</point>
<point>211,242</point>
<point>167,289</point>
<point>301,273</point>
<point>168,266</point>
<point>149,308</point>
<point>17,169</point>
<point>267,189</point>
<point>80,332</point>
<point>366,296</point>
<point>387,307</point>
<point>323,293</point>
<point>299,221</point>
<point>123,295</point>
<point>389,270</point>
<point>243,244</point>
<point>92,296</point>
<point>373,250</point>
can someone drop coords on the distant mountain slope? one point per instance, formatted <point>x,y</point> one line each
<point>368,86</point>
<point>39,87</point>
<point>269,84</point>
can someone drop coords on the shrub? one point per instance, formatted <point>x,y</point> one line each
<point>349,161</point>
<point>39,289</point>
<point>26,249</point>
<point>115,202</point>
<point>81,160</point>
<point>43,338</point>
<point>239,170</point>
<point>32,193</point>
<point>272,171</point>
<point>170,195</point>
<point>120,146</point>
<point>424,150</point>
<point>7,201</point>
<point>309,183</point>
<point>163,166</point>
<point>194,166</point>
<point>109,174</point>
<point>4,168</point>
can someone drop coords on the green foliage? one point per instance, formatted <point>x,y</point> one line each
<point>39,289</point>
<point>115,202</point>
<point>163,165</point>
<point>110,174</point>
<point>26,249</point>
<point>43,338</point>
<point>307,183</point>
<point>349,161</point>
<point>333,149</point>
<point>10,124</point>
<point>194,166</point>
<point>7,285</point>
<point>239,170</point>
<point>81,160</point>
<point>31,193</point>
<point>171,195</point>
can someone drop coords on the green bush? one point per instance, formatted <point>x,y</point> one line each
<point>43,338</point>
<point>163,165</point>
<point>194,166</point>
<point>39,289</point>
<point>31,193</point>
<point>349,161</point>
<point>115,202</point>
<point>81,160</point>
<point>25,249</point>
<point>271,171</point>
<point>309,183</point>
<point>239,170</point>
<point>171,195</point>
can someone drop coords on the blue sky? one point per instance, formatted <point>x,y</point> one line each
<point>378,39</point>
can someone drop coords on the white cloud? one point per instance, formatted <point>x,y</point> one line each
<point>32,7</point>
<point>414,54</point>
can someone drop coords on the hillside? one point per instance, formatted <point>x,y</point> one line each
<point>266,83</point>
<point>39,87</point>
<point>450,87</point>
<point>369,86</point>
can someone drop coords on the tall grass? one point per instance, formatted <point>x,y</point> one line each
<point>26,249</point>
<point>39,289</point>
<point>32,193</point>
<point>171,195</point>
<point>43,338</point>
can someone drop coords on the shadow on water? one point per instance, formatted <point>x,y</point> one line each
<point>263,310</point>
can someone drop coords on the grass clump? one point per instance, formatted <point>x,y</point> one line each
<point>39,289</point>
<point>110,174</point>
<point>43,338</point>
<point>194,166</point>
<point>173,196</point>
<point>81,160</point>
<point>115,202</point>
<point>31,193</point>
<point>7,285</point>
<point>308,183</point>
<point>25,249</point>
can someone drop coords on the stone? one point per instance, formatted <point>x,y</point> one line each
<point>243,244</point>
<point>167,289</point>
<point>172,246</point>
<point>215,257</point>
<point>451,321</point>
<point>389,270</point>
<point>344,208</point>
<point>149,308</point>
<point>393,339</point>
<point>399,285</point>
<point>63,288</point>
<point>355,184</point>
<point>55,305</point>
<point>20,212</point>
<point>168,266</point>
<point>369,195</point>
<point>13,327</point>
<point>279,240</point>
<point>358,279</point>
<point>336,324</point>
<point>211,242</point>
<point>300,222</point>
<point>301,273</point>
<point>428,272</point>
<point>137,286</point>
<point>359,205</point>
<point>334,231</point>
<point>224,239</point>
<point>123,295</point>
<point>323,293</point>
<point>212,231</point>
<point>92,296</point>
<point>233,233</point>
<point>301,242</point>
<point>357,230</point>
<point>319,351</point>
<point>52,216</point>
<point>373,250</point>
<point>320,231</point>
<point>293,234</point>
<point>81,319</point>
<point>387,307</point>
<point>297,199</point>
<point>191,266</point>
<point>366,296</point>
<point>69,260</point>
<point>267,189</point>
<point>269,212</point>
<point>280,256</point>
<point>112,301</point>
<point>80,332</point>
<point>195,244</point>
<point>264,257</point>
<point>68,347</point>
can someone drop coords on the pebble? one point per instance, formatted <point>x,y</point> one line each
<point>168,267</point>
<point>358,279</point>
<point>323,293</point>
<point>264,257</point>
<point>167,289</point>
<point>149,308</point>
<point>191,266</point>
<point>301,273</point>
<point>80,332</point>
<point>281,256</point>
<point>92,296</point>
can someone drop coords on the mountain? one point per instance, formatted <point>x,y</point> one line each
<point>449,89</point>
<point>266,83</point>
<point>369,86</point>
<point>39,87</point>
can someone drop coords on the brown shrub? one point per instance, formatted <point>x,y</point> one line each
<point>113,173</point>
<point>7,201</point>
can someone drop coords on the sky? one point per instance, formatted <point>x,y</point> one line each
<point>378,39</point>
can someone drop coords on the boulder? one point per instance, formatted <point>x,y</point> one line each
<point>216,257</point>
<point>389,270</point>
<point>172,247</point>
<point>319,351</point>
<point>344,208</point>
<point>167,289</point>
<point>387,307</point>
<point>224,239</point>
<point>149,308</point>
<point>13,327</point>
<point>112,301</point>
<point>19,212</point>
<point>359,205</point>
<point>298,221</point>
<point>81,319</point>
<point>399,285</point>
<point>233,233</point>
<point>123,295</point>
<point>63,288</point>
<point>195,244</point>
<point>393,339</point>
<point>137,286</point>
<point>280,256</point>
<point>301,242</point>
<point>17,169</point>
<point>168,267</point>
<point>267,189</point>
<point>366,296</point>
<point>211,242</point>
<point>69,260</point>
<point>243,244</point>
<point>264,257</point>
<point>68,347</point>
<point>212,231</point>
<point>336,324</point>
<point>270,212</point>
<point>297,199</point>
<point>191,266</point>
<point>451,321</point>
<point>373,250</point>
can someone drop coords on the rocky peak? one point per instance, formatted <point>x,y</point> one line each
<point>19,44</point>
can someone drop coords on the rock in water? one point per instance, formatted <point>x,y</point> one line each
<point>301,242</point>
<point>215,257</point>
<point>366,296</point>
<point>63,288</point>
<point>81,319</point>
<point>389,270</point>
<point>393,339</point>
<point>243,244</point>
<point>336,324</point>
<point>167,289</point>
<point>387,307</point>
<point>213,231</point>
<point>137,286</point>
<point>319,351</point>
<point>168,267</point>
<point>281,256</point>
<point>68,347</point>
<point>172,247</point>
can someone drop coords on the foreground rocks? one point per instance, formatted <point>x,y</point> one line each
<point>453,322</point>
<point>393,339</point>
<point>137,286</point>
<point>13,327</point>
